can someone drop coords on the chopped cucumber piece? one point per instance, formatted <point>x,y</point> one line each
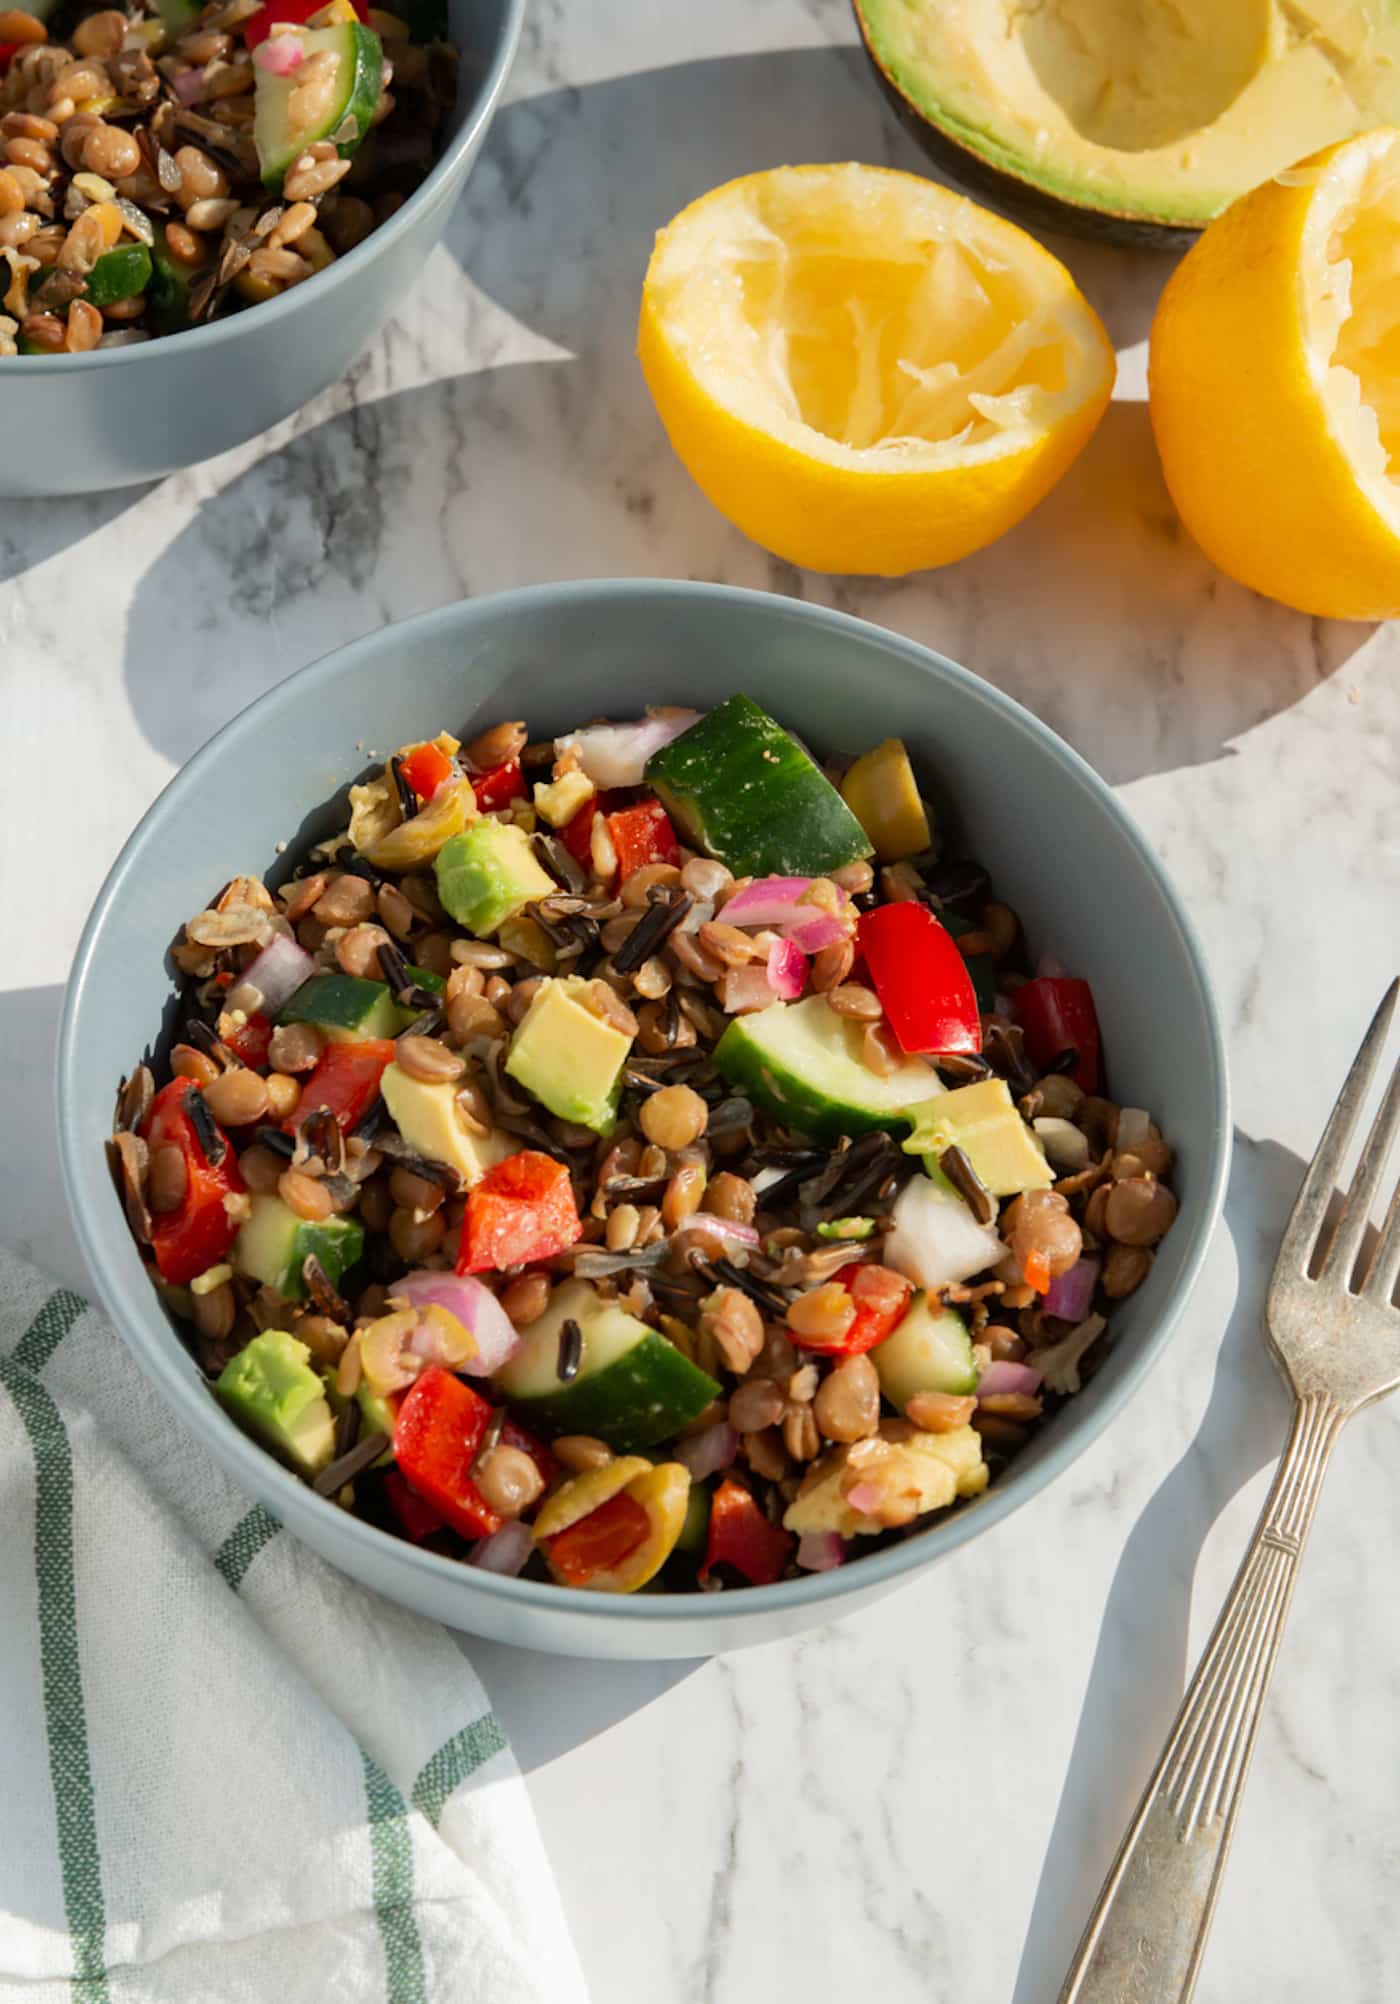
<point>928,1351</point>
<point>118,274</point>
<point>168,290</point>
<point>346,1008</point>
<point>333,100</point>
<point>632,1387</point>
<point>738,786</point>
<point>273,1244</point>
<point>803,1062</point>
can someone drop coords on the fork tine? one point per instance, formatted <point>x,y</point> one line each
<point>1311,1207</point>
<point>1351,1227</point>
<point>1385,1262</point>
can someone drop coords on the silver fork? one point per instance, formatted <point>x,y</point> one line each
<point>1337,1339</point>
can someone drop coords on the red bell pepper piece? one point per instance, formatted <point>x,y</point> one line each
<point>259,26</point>
<point>500,786</point>
<point>742,1537</point>
<point>250,1040</point>
<point>419,1519</point>
<point>437,1435</point>
<point>425,768</point>
<point>881,1298</point>
<point>640,835</point>
<point>345,1081</point>
<point>8,52</point>
<point>1057,1014</point>
<point>921,979</point>
<point>520,1211</point>
<point>189,1241</point>
<point>599,1541</point>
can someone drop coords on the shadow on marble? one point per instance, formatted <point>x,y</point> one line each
<point>586,176</point>
<point>33,531</point>
<point>1140,1664</point>
<point>551,1704</point>
<point>33,1208</point>
<point>1138,652</point>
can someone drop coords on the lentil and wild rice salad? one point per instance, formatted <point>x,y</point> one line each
<point>639,1159</point>
<point>162,165</point>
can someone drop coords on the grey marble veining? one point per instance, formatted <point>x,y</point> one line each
<point>918,1804</point>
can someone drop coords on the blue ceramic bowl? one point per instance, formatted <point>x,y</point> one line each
<point>74,424</point>
<point>1060,848</point>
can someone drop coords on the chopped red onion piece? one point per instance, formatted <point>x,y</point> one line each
<point>1004,1376</point>
<point>278,972</point>
<point>704,1454</point>
<point>1134,1127</point>
<point>1047,968</point>
<point>865,1497</point>
<point>787,970</point>
<point>475,1307</point>
<point>1071,1295</point>
<point>778,902</point>
<point>615,755</point>
<point>821,1551</point>
<point>506,1550</point>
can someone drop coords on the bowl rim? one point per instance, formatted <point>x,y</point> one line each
<point>210,336</point>
<point>127,1293</point>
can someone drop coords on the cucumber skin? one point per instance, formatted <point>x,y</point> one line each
<point>790,1099</point>
<point>633,1403</point>
<point>342,1005</point>
<point>168,293</point>
<point>337,1242</point>
<point>119,274</point>
<point>358,103</point>
<point>797,823</point>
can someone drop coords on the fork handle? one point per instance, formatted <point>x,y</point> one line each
<point>1147,1933</point>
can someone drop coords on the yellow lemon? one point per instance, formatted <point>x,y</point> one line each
<point>863,371</point>
<point>1274,384</point>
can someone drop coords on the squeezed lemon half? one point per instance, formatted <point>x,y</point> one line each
<point>1274,384</point>
<point>864,371</point>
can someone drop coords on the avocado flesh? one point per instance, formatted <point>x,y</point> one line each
<point>1150,114</point>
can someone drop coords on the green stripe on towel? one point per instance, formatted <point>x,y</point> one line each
<point>47,1330</point>
<point>244,1542</point>
<point>391,1867</point>
<point>64,1717</point>
<point>449,1767</point>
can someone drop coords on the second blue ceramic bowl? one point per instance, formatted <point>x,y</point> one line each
<point>77,424</point>
<point>1060,848</point>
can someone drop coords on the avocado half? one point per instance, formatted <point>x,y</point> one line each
<point>1125,120</point>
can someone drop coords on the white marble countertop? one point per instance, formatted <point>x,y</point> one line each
<point>917,1804</point>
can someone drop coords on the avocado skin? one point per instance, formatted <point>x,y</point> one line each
<point>1009,194</point>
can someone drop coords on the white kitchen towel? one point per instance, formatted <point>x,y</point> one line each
<point>227,1774</point>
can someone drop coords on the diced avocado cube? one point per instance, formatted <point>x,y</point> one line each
<point>983,1121</point>
<point>570,1059</point>
<point>488,873</point>
<point>738,786</point>
<point>428,1119</point>
<point>345,1007</point>
<point>271,1389</point>
<point>273,1244</point>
